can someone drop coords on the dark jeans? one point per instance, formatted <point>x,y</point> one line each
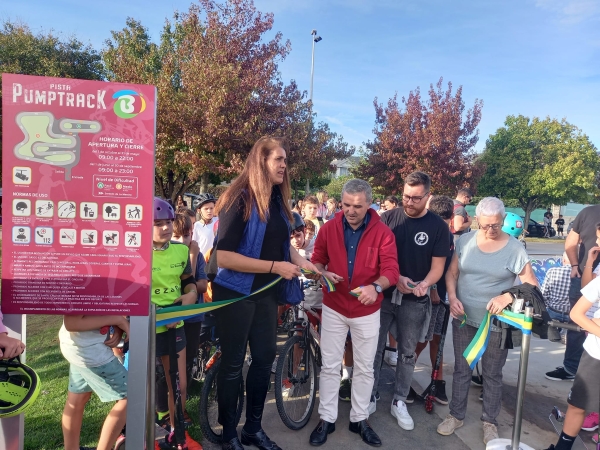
<point>247,321</point>
<point>575,339</point>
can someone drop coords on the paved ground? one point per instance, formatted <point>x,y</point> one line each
<point>541,395</point>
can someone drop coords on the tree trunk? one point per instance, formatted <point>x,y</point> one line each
<point>528,206</point>
<point>307,189</point>
<point>203,183</point>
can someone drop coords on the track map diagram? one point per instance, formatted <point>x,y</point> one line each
<point>78,170</point>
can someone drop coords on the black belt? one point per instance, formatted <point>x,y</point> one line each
<point>557,311</point>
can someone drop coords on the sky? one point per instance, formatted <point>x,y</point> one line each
<point>537,58</point>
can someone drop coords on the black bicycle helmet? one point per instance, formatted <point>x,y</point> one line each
<point>298,221</point>
<point>205,198</point>
<point>19,387</point>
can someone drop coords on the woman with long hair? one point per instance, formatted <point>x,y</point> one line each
<point>253,249</point>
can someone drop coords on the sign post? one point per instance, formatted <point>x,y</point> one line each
<point>78,185</point>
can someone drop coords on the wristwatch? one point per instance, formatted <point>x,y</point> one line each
<point>377,288</point>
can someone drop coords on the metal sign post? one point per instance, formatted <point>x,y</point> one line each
<point>514,443</point>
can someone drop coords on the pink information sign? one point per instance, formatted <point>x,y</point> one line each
<point>78,184</point>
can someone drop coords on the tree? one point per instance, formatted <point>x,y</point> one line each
<point>538,163</point>
<point>23,52</point>
<point>219,90</point>
<point>435,137</point>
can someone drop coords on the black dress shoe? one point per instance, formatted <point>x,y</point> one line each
<point>319,434</point>
<point>260,440</point>
<point>233,444</point>
<point>367,433</point>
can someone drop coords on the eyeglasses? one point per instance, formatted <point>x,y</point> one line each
<point>415,199</point>
<point>297,232</point>
<point>494,227</point>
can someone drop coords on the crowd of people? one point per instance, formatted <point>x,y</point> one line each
<point>396,263</point>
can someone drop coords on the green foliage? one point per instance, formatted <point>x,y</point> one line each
<point>334,188</point>
<point>539,162</point>
<point>42,54</point>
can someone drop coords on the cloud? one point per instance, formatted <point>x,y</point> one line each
<point>571,12</point>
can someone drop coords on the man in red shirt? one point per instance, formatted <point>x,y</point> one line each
<point>356,235</point>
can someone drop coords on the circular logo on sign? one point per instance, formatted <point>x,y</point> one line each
<point>421,238</point>
<point>128,103</point>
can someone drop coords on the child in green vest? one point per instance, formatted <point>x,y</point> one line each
<point>172,282</point>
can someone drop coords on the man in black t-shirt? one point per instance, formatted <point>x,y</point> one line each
<point>423,244</point>
<point>583,235</point>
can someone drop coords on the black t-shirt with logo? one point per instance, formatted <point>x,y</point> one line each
<point>417,241</point>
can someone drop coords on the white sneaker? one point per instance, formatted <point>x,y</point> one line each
<point>400,412</point>
<point>372,405</point>
<point>450,423</point>
<point>490,432</point>
<point>391,358</point>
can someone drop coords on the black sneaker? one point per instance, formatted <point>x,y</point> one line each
<point>481,396</point>
<point>410,398</point>
<point>345,392</point>
<point>477,380</point>
<point>440,392</point>
<point>377,396</point>
<point>560,374</point>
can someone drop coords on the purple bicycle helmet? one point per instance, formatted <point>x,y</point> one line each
<point>162,210</point>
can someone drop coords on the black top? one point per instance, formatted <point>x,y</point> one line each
<point>560,223</point>
<point>585,226</point>
<point>231,230</point>
<point>417,241</point>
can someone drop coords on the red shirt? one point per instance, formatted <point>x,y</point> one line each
<point>376,256</point>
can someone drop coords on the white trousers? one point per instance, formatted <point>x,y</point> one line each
<point>365,333</point>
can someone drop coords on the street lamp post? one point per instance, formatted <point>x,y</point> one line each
<point>315,39</point>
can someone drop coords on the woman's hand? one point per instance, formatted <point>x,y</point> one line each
<point>286,270</point>
<point>456,308</point>
<point>497,304</point>
<point>173,325</point>
<point>10,347</point>
<point>307,265</point>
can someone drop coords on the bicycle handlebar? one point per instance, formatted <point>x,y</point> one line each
<point>566,326</point>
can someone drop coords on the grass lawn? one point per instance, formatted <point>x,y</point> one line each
<point>43,420</point>
<point>43,429</point>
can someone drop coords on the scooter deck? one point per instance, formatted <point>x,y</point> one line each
<point>556,418</point>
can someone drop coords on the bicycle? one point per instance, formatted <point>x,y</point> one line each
<point>287,317</point>
<point>296,371</point>
<point>206,368</point>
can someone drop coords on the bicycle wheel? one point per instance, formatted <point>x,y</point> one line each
<point>211,428</point>
<point>295,384</point>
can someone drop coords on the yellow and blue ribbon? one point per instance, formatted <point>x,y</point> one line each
<point>476,348</point>
<point>171,314</point>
